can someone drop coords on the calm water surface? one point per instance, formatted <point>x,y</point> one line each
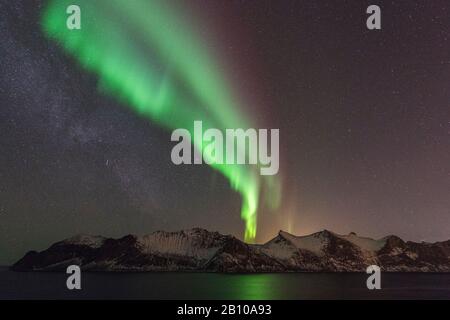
<point>32,285</point>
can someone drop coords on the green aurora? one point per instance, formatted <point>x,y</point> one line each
<point>151,59</point>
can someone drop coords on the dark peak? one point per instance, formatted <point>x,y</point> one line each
<point>445,243</point>
<point>197,230</point>
<point>285,235</point>
<point>353,234</point>
<point>128,237</point>
<point>281,236</point>
<point>393,238</point>
<point>281,232</point>
<point>125,240</point>
<point>391,243</point>
<point>324,233</point>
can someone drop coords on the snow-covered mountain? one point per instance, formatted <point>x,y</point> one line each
<point>201,250</point>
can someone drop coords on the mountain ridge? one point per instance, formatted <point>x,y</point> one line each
<point>198,249</point>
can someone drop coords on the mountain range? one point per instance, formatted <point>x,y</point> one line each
<point>201,250</point>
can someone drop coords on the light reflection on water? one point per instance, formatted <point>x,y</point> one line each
<point>28,285</point>
<point>254,287</point>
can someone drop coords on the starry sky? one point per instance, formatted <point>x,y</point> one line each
<point>364,123</point>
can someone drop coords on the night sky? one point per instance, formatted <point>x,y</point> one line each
<point>364,123</point>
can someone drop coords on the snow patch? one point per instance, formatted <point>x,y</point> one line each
<point>314,242</point>
<point>192,243</point>
<point>367,244</point>
<point>86,240</point>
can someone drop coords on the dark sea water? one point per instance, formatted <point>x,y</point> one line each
<point>29,285</point>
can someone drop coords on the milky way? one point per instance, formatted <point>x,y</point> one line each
<point>147,57</point>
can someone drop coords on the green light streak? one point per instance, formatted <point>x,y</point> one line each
<point>148,57</point>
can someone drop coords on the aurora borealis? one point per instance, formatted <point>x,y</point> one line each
<point>147,56</point>
<point>86,127</point>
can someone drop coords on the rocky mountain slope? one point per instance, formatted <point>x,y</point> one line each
<point>200,250</point>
